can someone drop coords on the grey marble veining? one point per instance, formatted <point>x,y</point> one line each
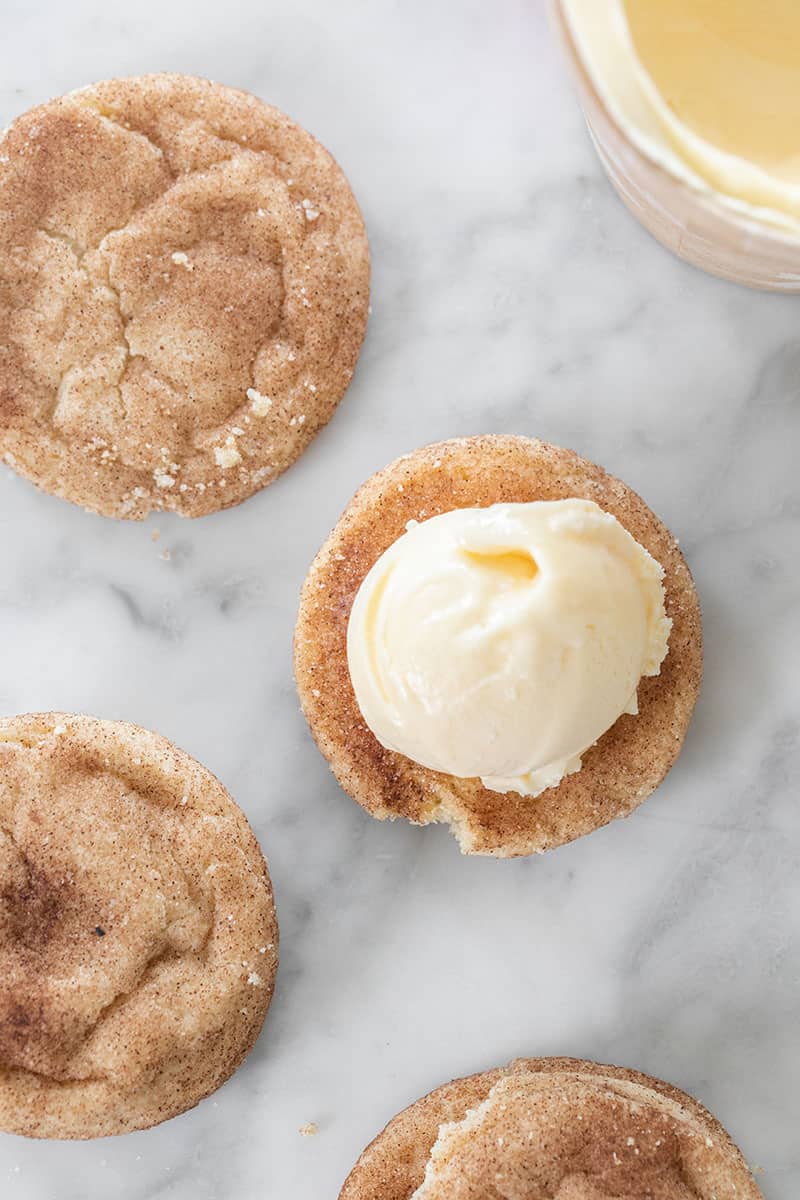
<point>511,292</point>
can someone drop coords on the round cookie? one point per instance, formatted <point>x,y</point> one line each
<point>138,938</point>
<point>625,765</point>
<point>559,1127</point>
<point>184,284</point>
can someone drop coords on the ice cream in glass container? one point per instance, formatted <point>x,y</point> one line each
<point>694,107</point>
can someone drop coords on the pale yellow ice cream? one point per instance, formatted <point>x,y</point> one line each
<point>502,642</point>
<point>707,89</point>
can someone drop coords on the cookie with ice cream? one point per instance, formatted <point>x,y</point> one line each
<point>557,1127</point>
<point>499,635</point>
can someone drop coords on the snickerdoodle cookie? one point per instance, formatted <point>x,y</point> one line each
<point>573,623</point>
<point>138,938</point>
<point>184,283</point>
<point>556,1127</point>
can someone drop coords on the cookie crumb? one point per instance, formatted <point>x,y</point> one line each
<point>228,455</point>
<point>260,404</point>
<point>310,1129</point>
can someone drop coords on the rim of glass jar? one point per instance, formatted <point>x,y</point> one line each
<point>690,223</point>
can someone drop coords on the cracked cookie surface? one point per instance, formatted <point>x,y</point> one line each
<point>553,1129</point>
<point>184,283</point>
<point>138,938</point>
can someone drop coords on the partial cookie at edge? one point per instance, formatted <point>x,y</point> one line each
<point>126,864</point>
<point>393,1166</point>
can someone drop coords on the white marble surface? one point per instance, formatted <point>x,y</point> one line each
<point>511,292</point>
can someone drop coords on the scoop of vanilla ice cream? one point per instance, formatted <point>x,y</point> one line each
<point>502,642</point>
